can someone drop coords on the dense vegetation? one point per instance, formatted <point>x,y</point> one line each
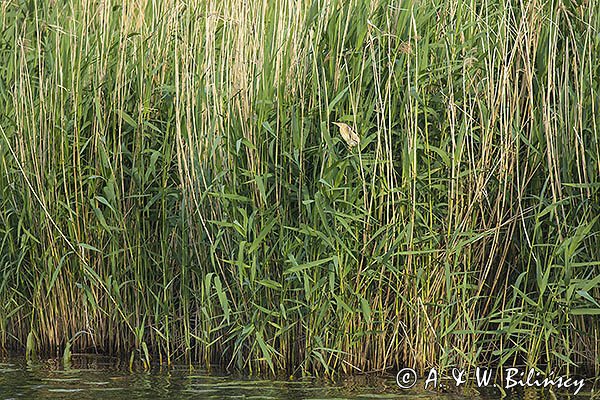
<point>173,187</point>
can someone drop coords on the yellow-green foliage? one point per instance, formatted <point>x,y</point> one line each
<point>173,184</point>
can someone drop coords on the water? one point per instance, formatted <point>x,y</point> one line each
<point>104,379</point>
<point>100,379</point>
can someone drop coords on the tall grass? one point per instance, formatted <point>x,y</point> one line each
<point>173,186</point>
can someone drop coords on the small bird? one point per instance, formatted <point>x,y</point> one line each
<point>348,134</point>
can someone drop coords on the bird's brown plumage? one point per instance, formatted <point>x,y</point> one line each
<point>348,134</point>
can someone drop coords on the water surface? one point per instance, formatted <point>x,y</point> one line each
<point>101,379</point>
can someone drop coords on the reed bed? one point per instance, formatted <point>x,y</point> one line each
<point>304,186</point>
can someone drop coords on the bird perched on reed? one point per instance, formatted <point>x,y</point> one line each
<point>348,134</point>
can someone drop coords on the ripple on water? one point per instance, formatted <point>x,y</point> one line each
<point>21,380</point>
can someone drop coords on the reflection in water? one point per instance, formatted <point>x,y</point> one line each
<point>100,378</point>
